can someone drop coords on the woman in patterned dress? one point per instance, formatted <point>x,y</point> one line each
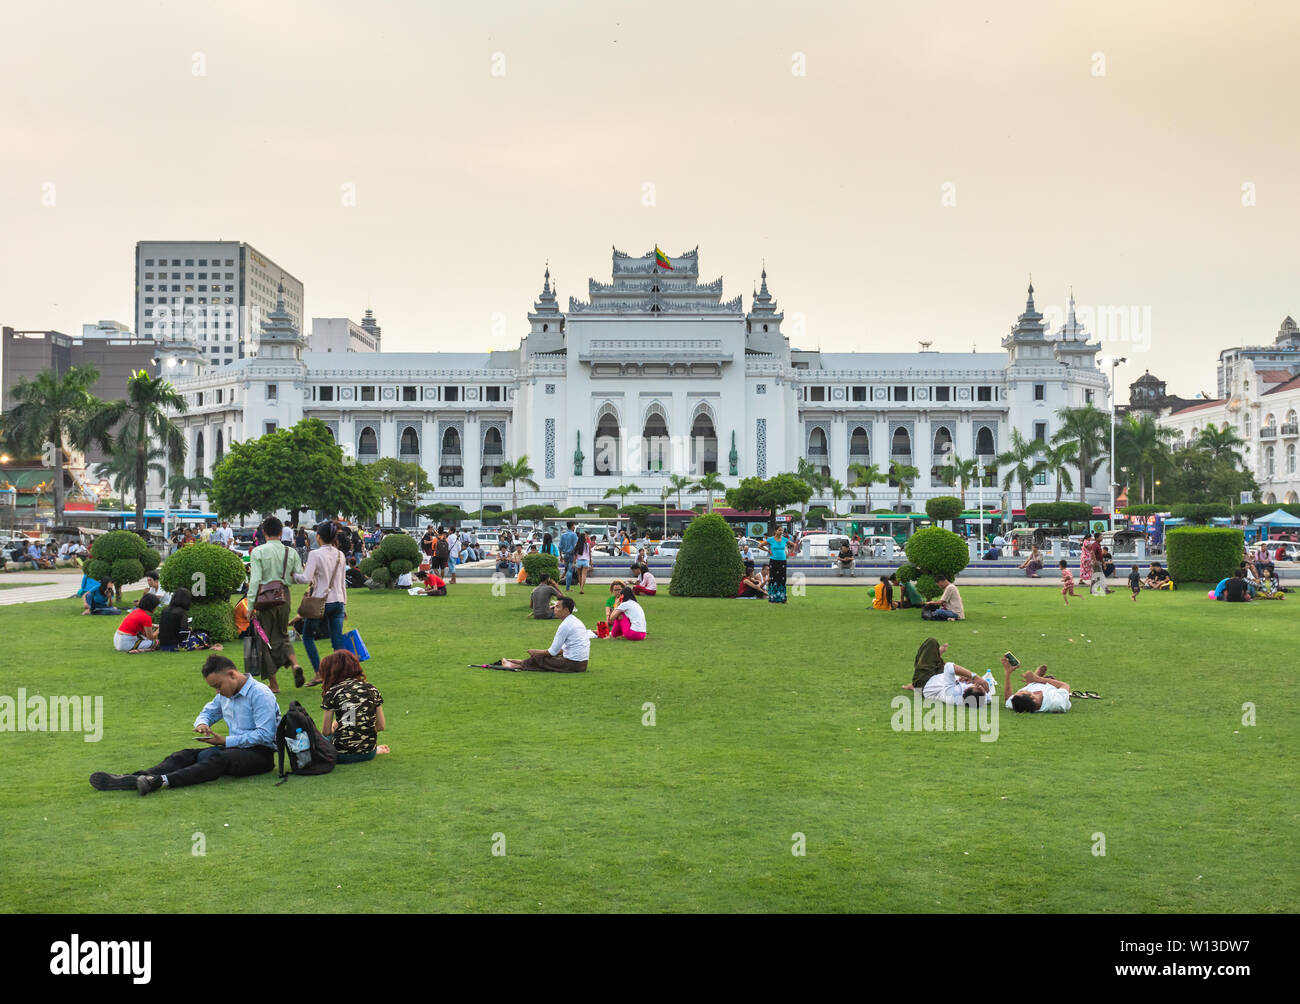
<point>776,546</point>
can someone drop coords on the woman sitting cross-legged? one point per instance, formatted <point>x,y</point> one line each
<point>645,583</point>
<point>137,633</point>
<point>174,631</point>
<point>751,584</point>
<point>883,598</point>
<point>353,707</point>
<point>628,619</point>
<point>1033,564</point>
<point>611,603</point>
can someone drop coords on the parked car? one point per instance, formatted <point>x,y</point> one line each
<point>667,549</point>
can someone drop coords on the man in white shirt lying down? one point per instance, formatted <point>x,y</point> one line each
<point>1040,692</point>
<point>956,685</point>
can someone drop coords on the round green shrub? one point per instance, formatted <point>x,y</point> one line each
<point>397,554</point>
<point>1058,513</point>
<point>368,565</point>
<point>216,617</point>
<point>927,587</point>
<point>708,563</point>
<point>150,559</point>
<point>127,571</point>
<point>906,572</point>
<point>942,508</point>
<point>537,565</point>
<point>400,567</point>
<point>399,545</point>
<point>1200,512</point>
<point>1203,553</point>
<point>119,545</point>
<point>933,549</point>
<point>381,576</point>
<point>210,571</point>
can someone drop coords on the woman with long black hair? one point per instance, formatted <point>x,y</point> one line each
<point>776,545</point>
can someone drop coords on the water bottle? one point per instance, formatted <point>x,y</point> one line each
<point>301,747</point>
<point>988,678</point>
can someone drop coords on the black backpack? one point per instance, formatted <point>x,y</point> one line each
<point>323,756</point>
<point>443,551</point>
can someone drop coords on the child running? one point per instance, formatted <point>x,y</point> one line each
<point>1067,582</point>
<point>1134,581</point>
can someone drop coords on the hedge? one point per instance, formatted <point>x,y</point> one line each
<point>1201,512</point>
<point>537,565</point>
<point>1059,512</point>
<point>943,508</point>
<point>933,550</point>
<point>120,552</point>
<point>1203,554</point>
<point>209,571</point>
<point>708,563</point>
<point>1143,510</point>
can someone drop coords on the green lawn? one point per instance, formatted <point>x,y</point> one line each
<point>22,585</point>
<point>770,721</point>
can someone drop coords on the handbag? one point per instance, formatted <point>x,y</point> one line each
<point>273,594</point>
<point>312,608</point>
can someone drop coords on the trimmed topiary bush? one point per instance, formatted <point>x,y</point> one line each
<point>396,555</point>
<point>209,571</point>
<point>1058,513</point>
<point>537,565</point>
<point>1200,512</point>
<point>120,546</point>
<point>1204,553</point>
<point>368,565</point>
<point>906,572</point>
<point>127,570</point>
<point>944,508</point>
<point>708,563</point>
<point>216,617</point>
<point>933,550</point>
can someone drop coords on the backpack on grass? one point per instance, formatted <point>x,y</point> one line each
<point>319,755</point>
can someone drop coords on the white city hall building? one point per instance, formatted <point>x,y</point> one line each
<point>653,374</point>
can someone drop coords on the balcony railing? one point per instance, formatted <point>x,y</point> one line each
<point>1291,429</point>
<point>449,460</point>
<point>1268,432</point>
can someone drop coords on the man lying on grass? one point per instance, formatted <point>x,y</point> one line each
<point>1040,693</point>
<point>568,652</point>
<point>250,713</point>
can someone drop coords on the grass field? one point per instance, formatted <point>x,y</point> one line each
<point>769,721</point>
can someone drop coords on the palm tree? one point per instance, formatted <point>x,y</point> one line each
<point>960,472</point>
<point>119,469</point>
<point>864,476</point>
<point>179,486</point>
<point>1221,444</point>
<point>902,474</point>
<point>838,491</point>
<point>678,483</point>
<point>61,411</point>
<point>709,484</point>
<point>1057,461</point>
<point>512,473</point>
<point>144,415</point>
<point>665,493</point>
<point>811,476</point>
<point>1024,466</point>
<point>1087,427</point>
<point>1142,444</point>
<point>622,491</point>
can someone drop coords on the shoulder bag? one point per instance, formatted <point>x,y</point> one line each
<point>312,608</point>
<point>274,594</point>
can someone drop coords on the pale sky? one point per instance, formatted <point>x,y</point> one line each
<point>1100,145</point>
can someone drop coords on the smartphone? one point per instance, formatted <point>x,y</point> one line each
<point>1015,663</point>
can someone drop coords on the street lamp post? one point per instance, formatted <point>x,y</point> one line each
<point>1113,364</point>
<point>980,469</point>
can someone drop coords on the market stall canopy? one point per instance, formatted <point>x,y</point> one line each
<point>1279,517</point>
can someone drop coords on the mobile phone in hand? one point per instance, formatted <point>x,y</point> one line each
<point>1015,663</point>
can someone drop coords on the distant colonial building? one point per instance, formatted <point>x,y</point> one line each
<point>654,373</point>
<point>1282,356</point>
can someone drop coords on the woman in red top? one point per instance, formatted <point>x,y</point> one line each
<point>137,633</point>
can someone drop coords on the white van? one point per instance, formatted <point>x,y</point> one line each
<point>821,545</point>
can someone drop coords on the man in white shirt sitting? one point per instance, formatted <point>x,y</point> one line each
<point>568,652</point>
<point>1040,693</point>
<point>957,685</point>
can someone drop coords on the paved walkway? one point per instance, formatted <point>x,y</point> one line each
<point>60,584</point>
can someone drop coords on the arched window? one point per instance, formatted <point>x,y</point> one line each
<point>656,447</point>
<point>900,444</point>
<point>221,447</point>
<point>1270,498</point>
<point>367,446</point>
<point>607,446</point>
<point>1245,424</point>
<point>199,460</point>
<point>817,445</point>
<point>1291,419</point>
<point>1268,461</point>
<point>939,457</point>
<point>704,445</point>
<point>1269,421</point>
<point>859,445</point>
<point>984,442</point>
<point>451,441</point>
<point>451,472</point>
<point>492,446</point>
<point>1290,458</point>
<point>409,448</point>
<point>1291,498</point>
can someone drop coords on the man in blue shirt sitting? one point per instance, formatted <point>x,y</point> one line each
<point>568,544</point>
<point>251,715</point>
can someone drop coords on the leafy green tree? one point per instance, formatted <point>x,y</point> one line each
<point>770,496</point>
<point>62,411</point>
<point>710,484</point>
<point>143,417</point>
<point>1086,426</point>
<point>902,475</point>
<point>513,473</point>
<point>401,482</point>
<point>1022,458</point>
<point>1196,476</point>
<point>1221,444</point>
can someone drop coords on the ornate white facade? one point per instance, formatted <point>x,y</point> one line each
<point>653,374</point>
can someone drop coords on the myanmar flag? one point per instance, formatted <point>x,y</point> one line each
<point>661,259</point>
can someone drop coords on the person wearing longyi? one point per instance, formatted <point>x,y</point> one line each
<point>568,652</point>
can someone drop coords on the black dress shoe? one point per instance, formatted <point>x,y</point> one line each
<point>101,781</point>
<point>146,783</point>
